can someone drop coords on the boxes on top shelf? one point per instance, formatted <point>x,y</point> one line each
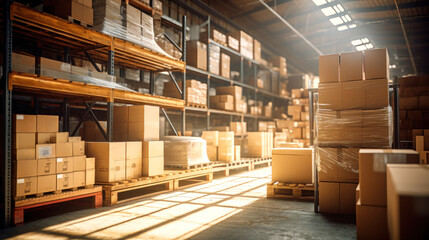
<point>246,43</point>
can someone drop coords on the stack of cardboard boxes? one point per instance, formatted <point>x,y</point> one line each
<point>353,113</point>
<point>245,43</point>
<point>80,10</point>
<point>196,54</point>
<point>300,132</point>
<point>371,196</point>
<point>229,98</point>
<point>279,63</point>
<point>239,128</point>
<point>196,92</point>
<point>220,146</point>
<point>421,144</point>
<point>48,160</point>
<point>413,106</point>
<point>260,144</point>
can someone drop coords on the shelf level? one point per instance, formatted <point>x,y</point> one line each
<point>63,88</point>
<point>52,29</point>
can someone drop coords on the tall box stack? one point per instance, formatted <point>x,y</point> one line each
<point>371,211</point>
<point>212,140</point>
<point>133,159</point>
<point>260,144</point>
<point>353,113</point>
<point>214,61</point>
<point>153,158</point>
<point>413,107</point>
<point>236,92</point>
<point>196,92</point>
<point>300,133</point>
<point>226,147</point>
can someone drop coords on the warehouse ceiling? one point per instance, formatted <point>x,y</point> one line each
<point>335,26</point>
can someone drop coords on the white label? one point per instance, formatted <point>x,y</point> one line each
<point>19,181</point>
<point>19,117</point>
<point>45,151</point>
<point>59,159</point>
<point>59,176</point>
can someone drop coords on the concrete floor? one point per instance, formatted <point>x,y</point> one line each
<point>233,207</point>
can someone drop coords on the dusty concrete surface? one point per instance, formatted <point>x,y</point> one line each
<point>234,207</point>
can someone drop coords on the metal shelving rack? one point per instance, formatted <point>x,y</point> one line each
<point>28,23</point>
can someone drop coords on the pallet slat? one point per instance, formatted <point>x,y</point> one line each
<point>290,191</point>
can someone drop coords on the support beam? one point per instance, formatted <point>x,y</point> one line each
<point>169,122</point>
<point>184,73</point>
<point>261,8</point>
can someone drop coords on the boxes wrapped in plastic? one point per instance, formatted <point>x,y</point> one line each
<point>338,164</point>
<point>184,151</point>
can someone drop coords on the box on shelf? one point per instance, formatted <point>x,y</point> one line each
<point>23,63</point>
<point>65,164</point>
<point>24,154</point>
<point>60,137</point>
<point>246,43</point>
<point>47,123</point>
<point>70,8</point>
<point>239,128</point>
<point>79,163</point>
<point>78,148</point>
<point>143,123</point>
<point>44,138</point>
<point>24,141</point>
<point>65,181</point>
<point>109,160</point>
<point>64,149</point>
<point>233,43</point>
<point>26,186</point>
<point>46,166</point>
<point>47,183</point>
<point>280,63</point>
<point>79,178</point>
<point>225,63</point>
<point>196,54</point>
<point>24,123</point>
<point>26,168</point>
<point>215,35</point>
<point>257,50</point>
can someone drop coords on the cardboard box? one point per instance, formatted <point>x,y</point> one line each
<point>292,165</point>
<point>143,123</point>
<point>44,138</point>
<point>212,152</point>
<point>47,123</point>
<point>376,63</point>
<point>196,54</point>
<point>78,148</point>
<point>26,186</point>
<point>79,179</point>
<point>257,50</point>
<point>24,141</point>
<point>357,193</point>
<point>24,123</point>
<point>348,169</point>
<point>423,102</point>
<point>79,163</point>
<point>407,201</point>
<point>233,43</point>
<point>353,95</point>
<point>109,160</point>
<point>329,68</point>
<point>65,181</point>
<point>351,66</point>
<point>328,164</point>
<point>239,128</point>
<point>371,222</point>
<point>211,137</point>
<point>90,176</point>
<point>376,93</point>
<point>153,149</point>
<point>351,137</point>
<point>256,144</point>
<point>26,168</point>
<point>46,183</point>
<point>64,149</point>
<point>246,43</point>
<point>330,96</point>
<point>280,63</point>
<point>235,91</point>
<point>237,153</point>
<point>133,150</point>
<point>23,63</point>
<point>90,163</point>
<point>329,197</point>
<point>60,137</point>
<point>372,172</point>
<point>65,164</point>
<point>24,154</point>
<point>46,166</point>
<point>226,139</point>
<point>226,153</point>
<point>422,143</point>
<point>152,166</point>
<point>75,139</point>
<point>225,63</point>
<point>45,151</point>
<point>348,198</point>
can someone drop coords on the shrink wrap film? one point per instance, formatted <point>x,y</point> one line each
<point>184,151</point>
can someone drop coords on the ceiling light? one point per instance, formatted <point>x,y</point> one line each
<point>336,21</point>
<point>328,11</point>
<point>369,46</point>
<point>342,28</point>
<point>356,42</point>
<point>361,48</point>
<point>352,25</point>
<point>319,2</point>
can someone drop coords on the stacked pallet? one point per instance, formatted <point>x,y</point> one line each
<point>413,106</point>
<point>196,92</point>
<point>229,98</point>
<point>300,133</point>
<point>47,160</point>
<point>353,114</point>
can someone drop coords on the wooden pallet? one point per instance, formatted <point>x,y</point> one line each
<point>188,167</point>
<point>290,191</point>
<point>38,195</point>
<point>77,21</point>
<point>225,167</point>
<point>49,199</point>
<point>260,161</point>
<point>196,105</point>
<point>127,190</point>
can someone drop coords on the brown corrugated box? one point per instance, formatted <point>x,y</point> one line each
<point>24,123</point>
<point>133,158</point>
<point>26,186</point>
<point>196,54</point>
<point>348,198</point>
<point>64,149</point>
<point>237,153</point>
<point>371,222</point>
<point>78,148</point>
<point>46,166</point>
<point>233,43</point>
<point>153,166</point>
<point>46,183</point>
<point>212,152</point>
<point>109,160</point>
<point>372,172</point>
<point>292,165</point>
<point>329,68</point>
<point>24,154</point>
<point>153,149</point>
<point>65,164</point>
<point>376,63</point>
<point>45,151</point>
<point>257,50</point>
<point>143,123</point>
<point>226,153</point>
<point>353,95</point>
<point>211,137</point>
<point>60,137</point>
<point>79,163</point>
<point>225,63</point>
<point>65,181</point>
<point>226,139</point>
<point>376,93</point>
<point>44,138</point>
<point>351,66</point>
<point>47,123</point>
<point>24,141</point>
<point>79,178</point>
<point>75,139</point>
<point>26,168</point>
<point>329,197</point>
<point>330,96</point>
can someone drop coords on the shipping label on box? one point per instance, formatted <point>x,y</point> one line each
<point>65,164</point>
<point>45,151</point>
